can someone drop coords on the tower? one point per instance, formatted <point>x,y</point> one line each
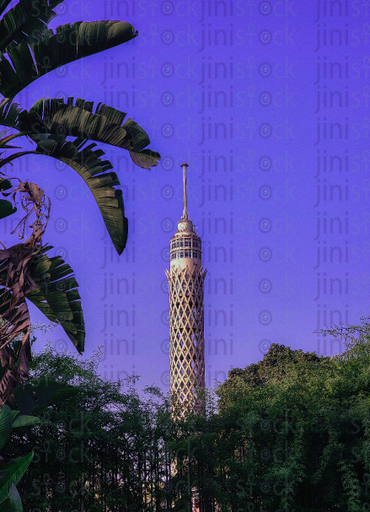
<point>186,286</point>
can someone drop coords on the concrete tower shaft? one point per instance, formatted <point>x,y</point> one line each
<point>186,290</point>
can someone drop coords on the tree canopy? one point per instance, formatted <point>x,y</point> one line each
<point>291,432</point>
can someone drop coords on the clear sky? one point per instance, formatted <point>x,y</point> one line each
<point>269,104</point>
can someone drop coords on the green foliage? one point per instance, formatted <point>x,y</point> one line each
<point>32,59</point>
<point>304,422</point>
<point>355,338</point>
<point>101,447</point>
<point>292,432</point>
<point>56,295</point>
<point>26,21</point>
<point>12,471</point>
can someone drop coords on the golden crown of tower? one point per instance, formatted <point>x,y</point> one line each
<point>186,290</point>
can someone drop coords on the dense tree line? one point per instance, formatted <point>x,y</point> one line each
<point>291,432</point>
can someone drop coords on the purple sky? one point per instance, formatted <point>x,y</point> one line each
<point>269,104</point>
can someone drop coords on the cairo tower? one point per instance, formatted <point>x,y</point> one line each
<point>186,290</point>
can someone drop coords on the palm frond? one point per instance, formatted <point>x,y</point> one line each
<point>27,22</point>
<point>94,171</point>
<point>26,62</point>
<point>56,295</point>
<point>76,118</point>
<point>9,114</point>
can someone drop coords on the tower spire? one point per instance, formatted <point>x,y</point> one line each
<point>185,212</point>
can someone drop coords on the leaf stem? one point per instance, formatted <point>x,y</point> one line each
<point>11,137</point>
<point>7,160</point>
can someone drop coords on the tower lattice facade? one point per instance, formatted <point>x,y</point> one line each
<point>186,289</point>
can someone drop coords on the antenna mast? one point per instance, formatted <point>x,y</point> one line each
<point>185,213</point>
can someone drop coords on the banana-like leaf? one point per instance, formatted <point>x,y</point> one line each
<point>94,171</point>
<point>25,421</point>
<point>11,473</point>
<point>13,503</point>
<point>68,44</point>
<point>32,399</point>
<point>5,424</point>
<point>57,296</point>
<point>26,21</point>
<point>145,158</point>
<point>16,322</point>
<point>76,118</point>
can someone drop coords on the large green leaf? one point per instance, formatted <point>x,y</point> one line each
<point>11,472</point>
<point>25,421</point>
<point>26,21</point>
<point>13,503</point>
<point>57,296</point>
<point>5,424</point>
<point>32,399</point>
<point>94,171</point>
<point>68,44</point>
<point>25,399</point>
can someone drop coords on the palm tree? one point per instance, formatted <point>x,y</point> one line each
<point>61,129</point>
